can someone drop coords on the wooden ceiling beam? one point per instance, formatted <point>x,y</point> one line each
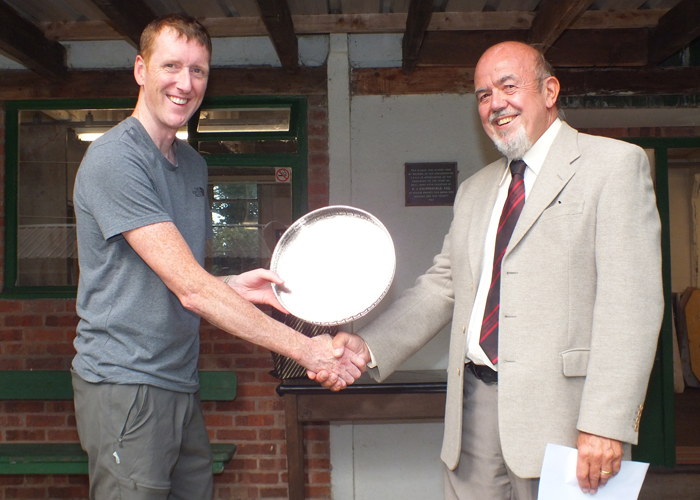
<point>419,12</point>
<point>582,48</point>
<point>676,29</point>
<point>639,81</point>
<point>278,21</point>
<point>128,17</point>
<point>553,17</point>
<point>220,27</point>
<point>25,43</point>
<point>120,83</point>
<point>574,81</point>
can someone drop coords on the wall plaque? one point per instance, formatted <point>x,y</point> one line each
<point>430,184</point>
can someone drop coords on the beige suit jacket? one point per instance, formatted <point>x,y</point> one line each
<point>581,300</point>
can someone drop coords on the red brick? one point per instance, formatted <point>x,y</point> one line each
<point>262,478</point>
<point>63,349</point>
<point>317,433</point>
<point>318,130</point>
<point>243,464</point>
<point>317,100</point>
<point>62,320</point>
<point>273,492</point>
<point>238,406</point>
<point>24,320</point>
<point>41,334</point>
<point>269,405</point>
<point>318,159</point>
<point>68,492</point>
<point>11,364</point>
<point>63,435</point>
<point>10,306</point>
<point>319,448</point>
<point>60,407</point>
<point>11,334</point>
<point>24,406</point>
<point>241,492</point>
<point>320,477</point>
<point>318,491</point>
<point>245,449</point>
<point>218,420</point>
<point>236,435</point>
<point>11,480</point>
<point>318,144</point>
<point>45,421</point>
<point>317,115</point>
<point>255,420</point>
<point>273,464</point>
<point>45,306</point>
<point>10,421</point>
<point>24,435</point>
<point>319,463</point>
<point>250,390</point>
<point>53,363</point>
<point>30,493</point>
<point>272,434</point>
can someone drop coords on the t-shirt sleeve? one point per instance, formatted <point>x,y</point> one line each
<point>115,188</point>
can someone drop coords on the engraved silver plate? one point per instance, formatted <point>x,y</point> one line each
<point>337,263</point>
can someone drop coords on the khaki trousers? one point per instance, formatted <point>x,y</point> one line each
<point>143,442</point>
<point>482,473</point>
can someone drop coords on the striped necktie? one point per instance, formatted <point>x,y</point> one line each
<point>509,217</point>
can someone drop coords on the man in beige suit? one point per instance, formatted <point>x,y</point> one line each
<point>581,302</point>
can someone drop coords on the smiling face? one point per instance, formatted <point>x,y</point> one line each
<point>173,81</point>
<point>516,106</point>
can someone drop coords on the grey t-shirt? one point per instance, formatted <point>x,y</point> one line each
<point>133,329</point>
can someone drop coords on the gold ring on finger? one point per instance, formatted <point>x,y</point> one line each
<point>606,472</point>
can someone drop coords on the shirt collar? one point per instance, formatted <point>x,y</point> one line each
<point>535,156</point>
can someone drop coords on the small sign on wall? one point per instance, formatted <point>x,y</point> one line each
<point>283,174</point>
<point>430,184</point>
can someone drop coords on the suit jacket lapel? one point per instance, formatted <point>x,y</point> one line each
<point>556,172</point>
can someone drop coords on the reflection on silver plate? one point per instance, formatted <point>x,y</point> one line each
<point>337,263</point>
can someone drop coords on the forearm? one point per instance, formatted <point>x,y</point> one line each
<point>164,250</point>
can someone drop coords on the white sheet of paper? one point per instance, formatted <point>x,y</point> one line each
<point>558,478</point>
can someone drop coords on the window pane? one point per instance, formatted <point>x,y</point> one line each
<point>50,151</point>
<point>250,211</point>
<point>244,120</point>
<point>247,147</point>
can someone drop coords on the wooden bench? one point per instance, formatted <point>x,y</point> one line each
<point>69,458</point>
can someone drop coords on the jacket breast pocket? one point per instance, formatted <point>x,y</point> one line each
<point>575,362</point>
<point>559,209</point>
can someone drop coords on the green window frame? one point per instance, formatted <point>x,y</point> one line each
<point>296,160</point>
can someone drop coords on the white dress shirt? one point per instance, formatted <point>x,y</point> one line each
<point>534,158</point>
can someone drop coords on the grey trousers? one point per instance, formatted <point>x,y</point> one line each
<point>143,442</point>
<point>482,472</point>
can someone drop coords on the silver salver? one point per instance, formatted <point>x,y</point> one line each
<point>337,262</point>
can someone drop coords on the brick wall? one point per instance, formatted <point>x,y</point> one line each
<point>38,334</point>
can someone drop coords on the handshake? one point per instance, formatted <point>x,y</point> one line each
<point>348,360</point>
<point>335,362</point>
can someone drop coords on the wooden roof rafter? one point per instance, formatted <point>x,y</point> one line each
<point>417,21</point>
<point>127,17</point>
<point>553,17</point>
<point>278,21</point>
<point>27,44</point>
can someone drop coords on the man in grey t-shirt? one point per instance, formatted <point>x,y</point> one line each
<point>143,218</point>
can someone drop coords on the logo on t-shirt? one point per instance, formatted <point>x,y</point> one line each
<point>198,192</point>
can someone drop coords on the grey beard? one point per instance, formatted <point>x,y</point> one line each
<point>515,147</point>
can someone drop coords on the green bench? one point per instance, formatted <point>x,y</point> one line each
<point>69,458</point>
